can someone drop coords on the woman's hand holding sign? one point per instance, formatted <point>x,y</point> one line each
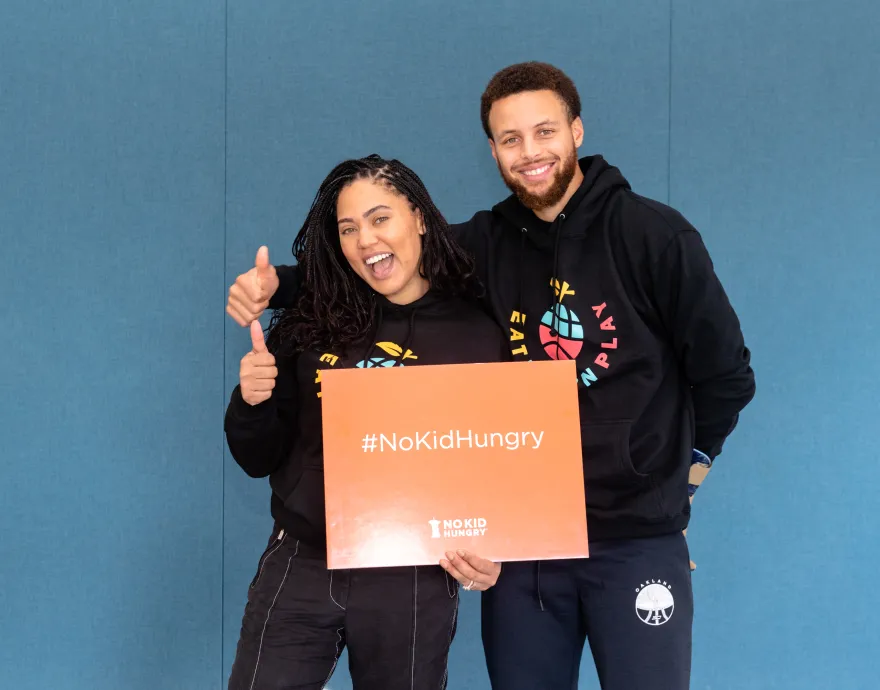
<point>474,573</point>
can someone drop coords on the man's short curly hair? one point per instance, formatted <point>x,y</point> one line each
<point>529,76</point>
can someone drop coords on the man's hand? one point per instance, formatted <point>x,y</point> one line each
<point>693,565</point>
<point>258,372</point>
<point>700,466</point>
<point>474,573</point>
<point>249,295</point>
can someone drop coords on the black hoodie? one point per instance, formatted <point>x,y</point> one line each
<point>282,437</point>
<point>624,285</point>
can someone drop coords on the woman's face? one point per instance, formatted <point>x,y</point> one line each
<point>381,237</point>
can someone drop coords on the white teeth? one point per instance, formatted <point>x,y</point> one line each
<point>376,259</point>
<point>537,171</point>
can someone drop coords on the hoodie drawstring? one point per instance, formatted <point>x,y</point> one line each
<point>555,278</point>
<point>410,334</point>
<point>538,584</point>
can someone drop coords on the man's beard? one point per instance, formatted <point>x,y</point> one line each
<point>558,186</point>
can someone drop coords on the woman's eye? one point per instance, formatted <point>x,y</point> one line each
<point>346,231</point>
<point>380,219</point>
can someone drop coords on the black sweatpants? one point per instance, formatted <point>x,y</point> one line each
<point>632,600</point>
<point>397,623</point>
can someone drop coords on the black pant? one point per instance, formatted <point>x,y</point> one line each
<point>631,599</point>
<point>398,624</point>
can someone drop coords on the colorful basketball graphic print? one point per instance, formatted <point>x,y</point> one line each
<point>567,339</point>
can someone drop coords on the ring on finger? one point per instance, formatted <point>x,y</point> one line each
<point>469,586</point>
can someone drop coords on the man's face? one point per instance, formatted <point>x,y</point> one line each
<point>535,146</point>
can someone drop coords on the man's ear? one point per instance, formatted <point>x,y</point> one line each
<point>577,129</point>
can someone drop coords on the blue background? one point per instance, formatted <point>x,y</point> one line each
<point>148,148</point>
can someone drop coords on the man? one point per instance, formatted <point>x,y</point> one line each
<point>578,266</point>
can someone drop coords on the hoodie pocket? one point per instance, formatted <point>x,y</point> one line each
<point>613,486</point>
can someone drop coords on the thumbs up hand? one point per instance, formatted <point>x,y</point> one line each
<point>257,372</point>
<point>249,295</point>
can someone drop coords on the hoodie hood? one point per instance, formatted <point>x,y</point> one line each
<point>600,180</point>
<point>432,303</point>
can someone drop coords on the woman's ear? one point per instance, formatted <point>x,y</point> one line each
<point>421,221</point>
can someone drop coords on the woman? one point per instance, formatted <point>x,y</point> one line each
<point>383,282</point>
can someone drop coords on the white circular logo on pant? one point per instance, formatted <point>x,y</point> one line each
<point>654,602</point>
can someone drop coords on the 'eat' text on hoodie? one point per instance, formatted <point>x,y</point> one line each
<point>624,286</point>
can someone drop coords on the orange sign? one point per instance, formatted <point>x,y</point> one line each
<point>419,460</point>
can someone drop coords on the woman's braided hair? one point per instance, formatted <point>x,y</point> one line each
<point>335,308</point>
